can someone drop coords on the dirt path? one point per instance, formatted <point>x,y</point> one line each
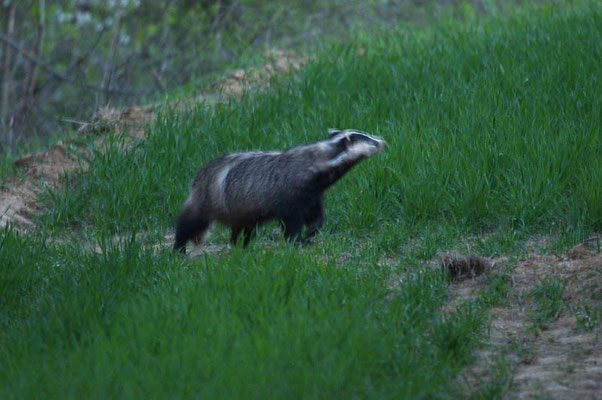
<point>45,169</point>
<point>558,358</point>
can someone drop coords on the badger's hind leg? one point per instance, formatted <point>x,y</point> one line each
<point>190,226</point>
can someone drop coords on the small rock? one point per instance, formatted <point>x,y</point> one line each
<point>239,74</point>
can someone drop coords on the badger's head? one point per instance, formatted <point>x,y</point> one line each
<point>351,146</point>
<point>341,151</point>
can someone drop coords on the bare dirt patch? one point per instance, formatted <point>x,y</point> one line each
<point>17,204</point>
<point>45,169</point>
<point>278,62</point>
<point>560,358</point>
<point>18,199</point>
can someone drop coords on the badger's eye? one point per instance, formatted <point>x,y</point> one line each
<point>343,143</point>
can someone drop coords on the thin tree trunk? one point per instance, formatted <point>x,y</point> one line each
<point>5,117</point>
<point>108,74</point>
<point>30,78</point>
<point>164,32</point>
<point>38,51</point>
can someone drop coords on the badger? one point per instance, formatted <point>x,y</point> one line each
<point>244,190</point>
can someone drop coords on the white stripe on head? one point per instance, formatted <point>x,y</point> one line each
<point>360,145</point>
<point>336,133</point>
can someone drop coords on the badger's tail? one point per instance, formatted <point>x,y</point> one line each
<point>189,226</point>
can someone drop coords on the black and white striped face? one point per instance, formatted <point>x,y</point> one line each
<point>354,145</point>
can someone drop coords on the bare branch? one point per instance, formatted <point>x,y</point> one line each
<point>78,60</point>
<point>6,54</point>
<point>30,86</point>
<point>73,121</point>
<point>157,79</point>
<point>62,77</point>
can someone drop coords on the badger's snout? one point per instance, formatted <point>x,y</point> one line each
<point>380,144</point>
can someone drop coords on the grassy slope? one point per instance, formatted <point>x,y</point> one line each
<point>492,126</point>
<point>488,125</point>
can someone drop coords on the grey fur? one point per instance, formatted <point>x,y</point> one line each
<point>243,190</point>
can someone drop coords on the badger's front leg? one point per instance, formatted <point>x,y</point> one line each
<point>249,230</point>
<point>235,233</point>
<point>314,220</point>
<point>293,225</point>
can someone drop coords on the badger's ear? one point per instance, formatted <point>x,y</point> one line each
<point>343,142</point>
<point>333,131</point>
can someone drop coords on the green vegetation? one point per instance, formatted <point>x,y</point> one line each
<point>493,126</point>
<point>263,323</point>
<point>547,299</point>
<point>483,131</point>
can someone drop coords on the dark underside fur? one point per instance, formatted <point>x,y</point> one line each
<point>244,190</point>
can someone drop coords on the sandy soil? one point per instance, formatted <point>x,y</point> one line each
<point>561,359</point>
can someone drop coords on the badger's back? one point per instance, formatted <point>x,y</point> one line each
<point>261,186</point>
<point>243,190</point>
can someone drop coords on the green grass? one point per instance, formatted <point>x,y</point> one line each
<point>493,127</point>
<point>547,301</point>
<point>490,124</point>
<point>259,323</point>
